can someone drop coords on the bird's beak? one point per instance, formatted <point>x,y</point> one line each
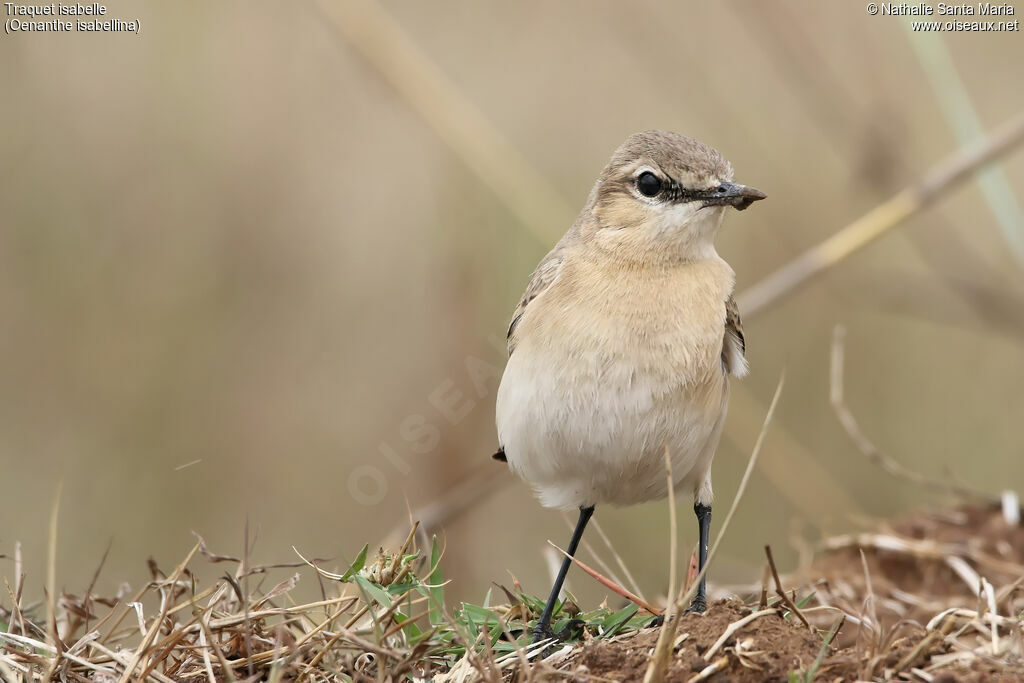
<point>731,194</point>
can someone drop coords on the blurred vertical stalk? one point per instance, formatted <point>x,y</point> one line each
<point>439,101</point>
<point>957,107</point>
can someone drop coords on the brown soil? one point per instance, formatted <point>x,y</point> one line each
<point>911,580</point>
<point>938,597</point>
<point>771,647</point>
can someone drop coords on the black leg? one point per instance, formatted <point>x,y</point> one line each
<point>543,628</point>
<point>700,601</point>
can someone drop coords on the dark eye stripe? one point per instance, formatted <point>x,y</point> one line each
<point>677,193</point>
<point>667,189</point>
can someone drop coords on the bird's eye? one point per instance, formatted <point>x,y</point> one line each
<point>648,184</point>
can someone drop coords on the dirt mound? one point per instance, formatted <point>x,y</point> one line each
<point>766,649</point>
<point>937,597</point>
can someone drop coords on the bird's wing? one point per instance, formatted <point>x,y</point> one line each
<point>734,346</point>
<point>541,279</point>
<point>546,272</point>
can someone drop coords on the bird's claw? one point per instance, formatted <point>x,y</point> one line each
<point>698,606</point>
<point>542,633</point>
<point>545,632</point>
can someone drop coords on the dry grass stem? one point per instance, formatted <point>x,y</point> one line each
<point>658,665</point>
<point>952,171</point>
<point>736,626</point>
<point>633,585</point>
<point>608,583</point>
<point>457,120</point>
<point>710,670</point>
<point>864,444</point>
<point>779,590</point>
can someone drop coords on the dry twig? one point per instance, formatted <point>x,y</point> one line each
<point>951,172</point>
<point>864,444</point>
<point>782,593</point>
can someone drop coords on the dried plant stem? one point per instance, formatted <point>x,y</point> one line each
<point>955,103</point>
<point>151,633</point>
<point>457,120</point>
<point>952,171</point>
<point>123,659</point>
<point>780,592</point>
<point>605,567</point>
<point>658,666</point>
<point>633,585</point>
<point>869,616</point>
<point>46,647</point>
<point>922,647</point>
<point>206,635</point>
<point>710,670</point>
<point>864,444</point>
<point>736,626</point>
<point>51,585</point>
<point>608,583</point>
<point>324,624</point>
<point>18,617</point>
<point>8,673</point>
<point>762,602</point>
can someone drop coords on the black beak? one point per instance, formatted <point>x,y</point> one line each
<point>731,194</point>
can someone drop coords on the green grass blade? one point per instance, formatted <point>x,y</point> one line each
<point>614,623</point>
<point>373,590</point>
<point>356,565</point>
<point>436,590</point>
<point>804,601</point>
<point>813,671</point>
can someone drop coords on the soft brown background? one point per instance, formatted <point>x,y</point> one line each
<point>232,239</point>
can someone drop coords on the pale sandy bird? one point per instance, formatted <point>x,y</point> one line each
<point>624,341</point>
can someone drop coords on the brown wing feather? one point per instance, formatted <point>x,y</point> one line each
<point>734,346</point>
<point>541,279</point>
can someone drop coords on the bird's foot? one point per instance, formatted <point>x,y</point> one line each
<point>544,632</point>
<point>699,605</point>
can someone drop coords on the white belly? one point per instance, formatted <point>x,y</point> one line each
<point>585,430</point>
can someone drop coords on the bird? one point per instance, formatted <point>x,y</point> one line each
<point>624,342</point>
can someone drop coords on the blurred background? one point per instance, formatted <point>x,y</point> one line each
<point>257,263</point>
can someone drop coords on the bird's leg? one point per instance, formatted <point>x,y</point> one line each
<point>543,628</point>
<point>700,601</point>
<point>703,512</point>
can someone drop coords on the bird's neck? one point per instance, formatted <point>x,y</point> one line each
<point>666,258</point>
<point>654,276</point>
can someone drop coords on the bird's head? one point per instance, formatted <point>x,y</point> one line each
<point>663,195</point>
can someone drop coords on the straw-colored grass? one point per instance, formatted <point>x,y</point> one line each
<point>951,606</point>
